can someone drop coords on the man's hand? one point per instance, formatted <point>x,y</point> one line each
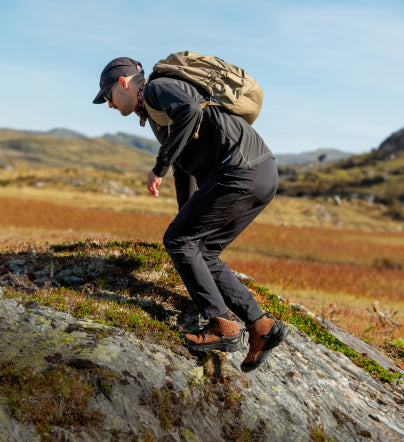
<point>153,181</point>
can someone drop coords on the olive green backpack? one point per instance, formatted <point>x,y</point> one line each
<point>228,85</point>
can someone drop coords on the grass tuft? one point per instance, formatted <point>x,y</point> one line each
<point>312,328</point>
<point>149,319</point>
<point>57,397</point>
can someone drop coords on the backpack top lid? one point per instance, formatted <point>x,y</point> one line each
<point>227,84</point>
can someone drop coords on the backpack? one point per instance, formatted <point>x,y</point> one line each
<point>228,85</point>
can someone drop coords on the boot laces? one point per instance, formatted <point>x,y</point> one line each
<point>244,332</point>
<point>205,331</point>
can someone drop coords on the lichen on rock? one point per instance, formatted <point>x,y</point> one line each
<point>302,388</point>
<point>136,378</point>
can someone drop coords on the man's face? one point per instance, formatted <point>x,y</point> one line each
<point>121,98</point>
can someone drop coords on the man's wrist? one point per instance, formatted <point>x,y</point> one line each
<point>159,171</point>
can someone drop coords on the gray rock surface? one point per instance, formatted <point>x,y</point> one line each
<point>358,345</point>
<point>302,392</point>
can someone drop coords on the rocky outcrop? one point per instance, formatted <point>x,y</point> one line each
<point>392,146</point>
<point>302,392</point>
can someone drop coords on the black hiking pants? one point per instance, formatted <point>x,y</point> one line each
<point>209,221</point>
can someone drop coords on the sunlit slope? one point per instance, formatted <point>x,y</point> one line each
<point>29,149</point>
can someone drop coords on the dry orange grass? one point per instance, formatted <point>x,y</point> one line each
<point>336,273</point>
<point>298,275</point>
<point>30,214</point>
<point>339,292</point>
<point>324,244</point>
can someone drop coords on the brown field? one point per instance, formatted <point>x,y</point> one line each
<point>342,262</point>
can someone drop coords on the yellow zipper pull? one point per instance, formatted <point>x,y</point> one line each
<point>204,105</point>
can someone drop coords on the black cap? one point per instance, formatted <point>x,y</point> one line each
<point>118,67</point>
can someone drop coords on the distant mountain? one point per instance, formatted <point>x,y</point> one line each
<point>63,133</point>
<point>322,155</point>
<point>133,141</point>
<point>145,144</point>
<point>70,150</point>
<point>56,132</point>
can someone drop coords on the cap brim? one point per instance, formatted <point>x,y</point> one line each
<point>99,99</point>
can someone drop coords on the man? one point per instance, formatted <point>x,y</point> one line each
<point>224,178</point>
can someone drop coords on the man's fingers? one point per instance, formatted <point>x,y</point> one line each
<point>153,190</point>
<point>153,182</point>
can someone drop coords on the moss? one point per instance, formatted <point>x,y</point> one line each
<point>56,397</point>
<point>125,254</point>
<point>120,313</point>
<point>145,436</point>
<point>311,327</point>
<point>170,406</point>
<point>214,366</point>
<point>198,376</point>
<point>167,404</point>
<point>134,311</point>
<point>189,436</point>
<point>318,435</point>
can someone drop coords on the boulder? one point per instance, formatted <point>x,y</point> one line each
<point>303,391</point>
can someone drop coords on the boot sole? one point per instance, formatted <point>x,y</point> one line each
<point>277,334</point>
<point>228,345</point>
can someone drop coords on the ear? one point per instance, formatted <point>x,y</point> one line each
<point>124,82</point>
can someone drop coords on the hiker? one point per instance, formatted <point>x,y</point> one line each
<point>224,177</point>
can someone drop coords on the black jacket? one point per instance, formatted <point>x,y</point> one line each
<point>225,140</point>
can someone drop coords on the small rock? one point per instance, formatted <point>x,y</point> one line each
<point>18,266</point>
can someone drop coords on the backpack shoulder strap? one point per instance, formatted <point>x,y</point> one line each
<point>162,119</point>
<point>158,116</point>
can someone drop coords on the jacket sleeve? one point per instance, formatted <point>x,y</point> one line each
<point>185,186</point>
<point>186,114</point>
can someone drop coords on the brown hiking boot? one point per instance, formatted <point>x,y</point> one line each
<point>265,334</point>
<point>219,334</point>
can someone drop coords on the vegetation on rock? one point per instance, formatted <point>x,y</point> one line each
<point>133,285</point>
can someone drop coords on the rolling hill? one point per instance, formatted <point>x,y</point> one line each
<point>377,176</point>
<point>322,155</point>
<point>141,143</point>
<point>61,148</point>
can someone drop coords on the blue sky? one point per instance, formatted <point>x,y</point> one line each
<point>332,71</point>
